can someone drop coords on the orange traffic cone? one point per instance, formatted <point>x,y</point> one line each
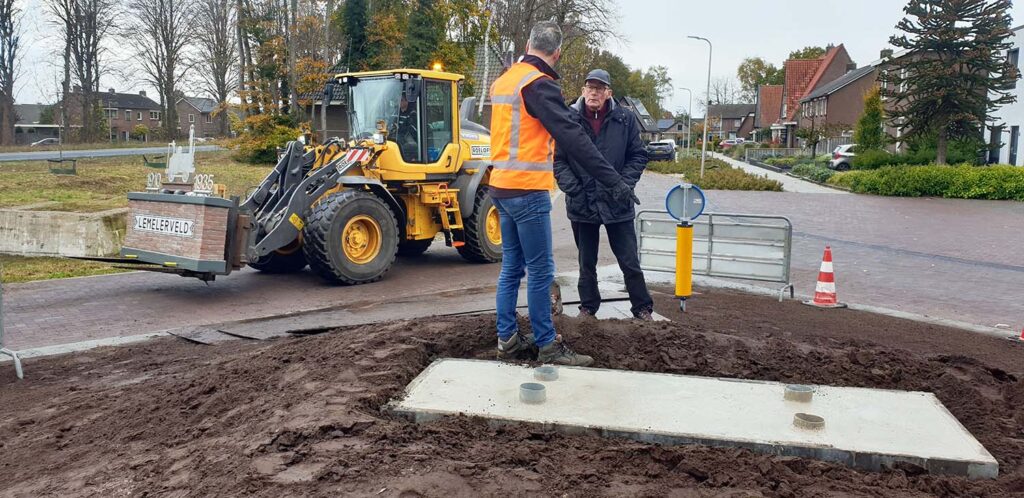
<point>825,291</point>
<point>1022,335</point>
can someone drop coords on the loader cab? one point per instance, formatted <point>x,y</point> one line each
<point>418,111</point>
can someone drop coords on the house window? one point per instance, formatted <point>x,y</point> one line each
<point>1012,58</point>
<point>191,118</point>
<point>679,127</point>
<point>739,122</point>
<point>127,115</point>
<point>138,117</point>
<point>111,114</point>
<point>154,115</point>
<point>209,118</point>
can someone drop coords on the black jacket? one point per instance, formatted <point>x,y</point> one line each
<point>543,100</point>
<point>619,141</point>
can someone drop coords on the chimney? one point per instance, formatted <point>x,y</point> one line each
<point>111,90</point>
<point>142,92</point>
<point>851,66</point>
<point>886,53</point>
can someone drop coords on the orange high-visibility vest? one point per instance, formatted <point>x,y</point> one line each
<point>522,150</point>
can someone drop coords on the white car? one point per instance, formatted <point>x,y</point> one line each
<point>842,157</point>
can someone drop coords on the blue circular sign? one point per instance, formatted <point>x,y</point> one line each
<point>685,202</point>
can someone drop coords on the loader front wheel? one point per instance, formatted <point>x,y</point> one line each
<point>483,231</point>
<point>351,237</point>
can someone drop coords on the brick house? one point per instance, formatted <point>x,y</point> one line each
<point>769,108</point>
<point>731,120</point>
<point>198,112</point>
<point>123,112</point>
<point>839,102</point>
<point>802,77</point>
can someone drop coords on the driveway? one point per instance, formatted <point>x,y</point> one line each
<point>83,154</point>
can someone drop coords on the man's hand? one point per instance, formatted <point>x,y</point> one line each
<point>623,193</point>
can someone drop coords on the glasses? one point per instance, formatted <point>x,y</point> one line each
<point>595,89</point>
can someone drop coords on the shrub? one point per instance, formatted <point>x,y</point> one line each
<point>813,172</point>
<point>962,182</point>
<point>718,175</point>
<point>872,159</point>
<point>261,135</point>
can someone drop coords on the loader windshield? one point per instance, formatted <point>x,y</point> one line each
<point>384,99</point>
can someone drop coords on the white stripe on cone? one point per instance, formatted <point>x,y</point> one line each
<point>826,287</point>
<point>826,266</point>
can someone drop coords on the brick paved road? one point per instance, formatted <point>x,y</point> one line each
<point>948,258</point>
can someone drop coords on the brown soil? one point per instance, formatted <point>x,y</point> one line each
<point>302,416</point>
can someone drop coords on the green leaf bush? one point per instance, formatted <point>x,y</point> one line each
<point>960,182</point>
<point>718,175</point>
<point>814,172</point>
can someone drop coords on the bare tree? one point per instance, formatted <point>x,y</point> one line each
<point>725,90</point>
<point>84,25</point>
<point>160,31</point>
<point>216,42</point>
<point>591,22</point>
<point>10,43</point>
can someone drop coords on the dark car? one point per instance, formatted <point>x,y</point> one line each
<point>661,151</point>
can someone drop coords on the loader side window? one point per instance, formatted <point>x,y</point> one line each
<point>438,116</point>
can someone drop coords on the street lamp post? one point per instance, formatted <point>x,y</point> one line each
<point>704,143</point>
<point>689,119</point>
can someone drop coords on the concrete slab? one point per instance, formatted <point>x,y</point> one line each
<point>864,428</point>
<point>613,310</point>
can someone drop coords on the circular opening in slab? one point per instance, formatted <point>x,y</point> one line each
<point>545,373</point>
<point>796,392</point>
<point>808,421</point>
<point>532,392</point>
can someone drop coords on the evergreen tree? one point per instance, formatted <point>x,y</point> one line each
<point>356,15</point>
<point>955,72</point>
<point>869,134</point>
<point>426,31</point>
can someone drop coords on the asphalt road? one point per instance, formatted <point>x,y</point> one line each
<point>83,154</point>
<point>946,258</point>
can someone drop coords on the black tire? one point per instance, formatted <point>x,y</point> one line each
<point>479,248</point>
<point>322,237</point>
<point>413,248</point>
<point>276,262</point>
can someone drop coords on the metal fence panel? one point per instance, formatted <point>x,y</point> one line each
<point>749,247</point>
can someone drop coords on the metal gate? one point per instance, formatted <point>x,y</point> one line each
<point>727,245</point>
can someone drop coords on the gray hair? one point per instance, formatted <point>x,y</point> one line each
<point>546,37</point>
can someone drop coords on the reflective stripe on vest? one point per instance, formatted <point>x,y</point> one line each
<point>522,151</point>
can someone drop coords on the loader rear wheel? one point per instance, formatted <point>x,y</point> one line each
<point>413,248</point>
<point>351,237</point>
<point>288,259</point>
<point>483,231</point>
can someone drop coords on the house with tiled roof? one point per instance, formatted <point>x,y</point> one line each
<point>124,112</point>
<point>803,76</point>
<point>767,110</point>
<point>205,114</point>
<point>731,120</point>
<point>839,102</point>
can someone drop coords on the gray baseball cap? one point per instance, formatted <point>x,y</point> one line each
<point>600,75</point>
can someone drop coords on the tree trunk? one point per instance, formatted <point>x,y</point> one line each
<point>941,146</point>
<point>293,95</point>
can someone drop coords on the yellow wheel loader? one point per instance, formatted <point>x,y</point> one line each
<point>413,167</point>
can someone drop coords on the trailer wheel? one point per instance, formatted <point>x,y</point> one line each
<point>413,248</point>
<point>351,237</point>
<point>288,259</point>
<point>483,230</point>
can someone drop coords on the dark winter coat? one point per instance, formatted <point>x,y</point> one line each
<point>586,200</point>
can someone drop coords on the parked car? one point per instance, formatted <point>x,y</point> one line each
<point>45,141</point>
<point>728,144</point>
<point>842,157</point>
<point>662,150</point>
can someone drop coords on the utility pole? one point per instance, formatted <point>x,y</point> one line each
<point>704,143</point>
<point>689,119</point>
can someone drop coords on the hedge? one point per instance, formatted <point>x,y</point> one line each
<point>718,175</point>
<point>960,182</point>
<point>813,172</point>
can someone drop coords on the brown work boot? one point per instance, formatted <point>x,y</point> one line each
<point>587,314</point>
<point>518,347</point>
<point>644,316</point>
<point>557,353</point>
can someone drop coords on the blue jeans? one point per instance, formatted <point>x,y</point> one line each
<point>526,248</point>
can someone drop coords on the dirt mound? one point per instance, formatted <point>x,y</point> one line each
<point>302,416</point>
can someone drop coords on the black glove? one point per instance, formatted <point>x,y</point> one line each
<point>624,193</point>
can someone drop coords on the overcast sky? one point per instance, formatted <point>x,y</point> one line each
<point>655,32</point>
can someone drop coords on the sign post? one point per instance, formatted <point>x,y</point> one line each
<point>3,348</point>
<point>685,202</point>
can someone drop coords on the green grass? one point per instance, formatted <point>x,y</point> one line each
<point>105,145</point>
<point>718,175</point>
<point>103,183</point>
<point>26,269</point>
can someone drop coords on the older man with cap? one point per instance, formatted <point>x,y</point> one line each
<point>615,132</point>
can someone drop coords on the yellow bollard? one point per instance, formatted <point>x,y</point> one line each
<point>684,262</point>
